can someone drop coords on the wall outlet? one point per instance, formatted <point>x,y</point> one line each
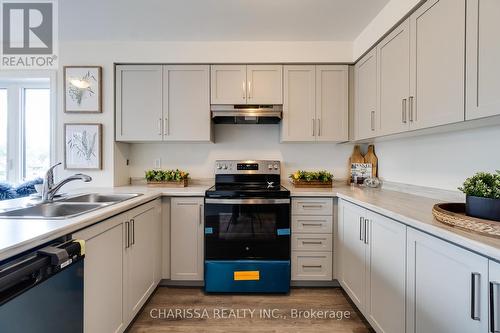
<point>158,163</point>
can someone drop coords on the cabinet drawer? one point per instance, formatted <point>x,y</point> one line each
<point>312,224</point>
<point>311,265</point>
<point>311,242</point>
<point>312,206</point>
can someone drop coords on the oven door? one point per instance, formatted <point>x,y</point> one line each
<point>247,229</point>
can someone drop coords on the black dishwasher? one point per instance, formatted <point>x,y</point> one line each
<point>42,291</point>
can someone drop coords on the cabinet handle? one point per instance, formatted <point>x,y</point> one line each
<point>403,111</point>
<point>243,94</point>
<point>313,127</point>
<point>494,305</point>
<point>132,223</point>
<point>159,127</point>
<point>372,120</point>
<point>474,307</point>
<point>201,214</point>
<point>366,231</point>
<point>361,219</point>
<point>249,89</point>
<point>127,234</point>
<point>312,243</point>
<point>312,266</point>
<point>312,206</point>
<point>411,108</point>
<point>312,224</point>
<point>165,126</point>
<point>319,127</point>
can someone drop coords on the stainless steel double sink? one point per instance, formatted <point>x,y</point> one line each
<point>68,207</point>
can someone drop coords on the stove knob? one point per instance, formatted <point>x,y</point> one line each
<point>219,166</point>
<point>225,166</point>
<point>270,166</point>
<point>276,167</point>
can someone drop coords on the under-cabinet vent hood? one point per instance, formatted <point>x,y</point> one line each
<point>246,114</point>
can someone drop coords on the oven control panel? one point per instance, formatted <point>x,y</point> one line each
<point>247,167</point>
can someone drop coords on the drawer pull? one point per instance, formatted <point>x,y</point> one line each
<point>312,224</point>
<point>312,266</point>
<point>312,206</point>
<point>312,243</point>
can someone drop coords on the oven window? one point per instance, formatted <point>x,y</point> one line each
<point>247,224</point>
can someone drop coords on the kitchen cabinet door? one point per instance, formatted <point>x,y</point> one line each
<point>139,103</point>
<point>366,112</point>
<point>265,84</point>
<point>353,252</point>
<point>187,232</point>
<point>386,274</point>
<point>103,278</point>
<point>141,256</point>
<point>228,84</point>
<point>447,287</point>
<point>393,55</point>
<point>299,99</point>
<point>494,294</point>
<point>332,103</point>
<point>483,52</point>
<point>438,64</point>
<point>186,103</point>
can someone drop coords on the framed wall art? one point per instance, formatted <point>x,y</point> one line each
<point>83,146</point>
<point>82,89</point>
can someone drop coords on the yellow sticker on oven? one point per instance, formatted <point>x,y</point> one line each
<point>247,276</point>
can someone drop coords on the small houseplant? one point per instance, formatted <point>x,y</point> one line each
<point>168,178</point>
<point>483,195</point>
<point>322,178</point>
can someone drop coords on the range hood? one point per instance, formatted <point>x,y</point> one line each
<point>246,114</point>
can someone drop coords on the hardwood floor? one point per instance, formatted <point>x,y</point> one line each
<point>168,311</point>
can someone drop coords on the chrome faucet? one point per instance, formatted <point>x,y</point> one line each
<point>50,189</point>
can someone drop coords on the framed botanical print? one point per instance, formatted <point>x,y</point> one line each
<point>82,89</point>
<point>83,146</point>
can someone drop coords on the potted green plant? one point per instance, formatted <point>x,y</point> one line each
<point>483,195</point>
<point>322,178</point>
<point>167,178</point>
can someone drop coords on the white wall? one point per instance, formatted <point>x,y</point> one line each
<point>440,160</point>
<point>394,11</point>
<point>240,142</point>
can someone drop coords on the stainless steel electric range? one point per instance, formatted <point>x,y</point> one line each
<point>247,229</point>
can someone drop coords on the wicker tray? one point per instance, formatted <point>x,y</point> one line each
<point>453,214</point>
<point>182,183</point>
<point>312,184</point>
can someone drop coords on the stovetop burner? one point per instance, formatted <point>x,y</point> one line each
<point>247,179</point>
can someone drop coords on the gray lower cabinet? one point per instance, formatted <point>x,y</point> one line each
<point>122,267</point>
<point>186,242</point>
<point>447,287</point>
<point>372,265</point>
<point>494,294</point>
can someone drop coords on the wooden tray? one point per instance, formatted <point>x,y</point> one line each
<point>453,214</point>
<point>182,183</point>
<point>312,184</point>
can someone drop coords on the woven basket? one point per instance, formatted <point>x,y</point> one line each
<point>453,214</point>
<point>312,184</point>
<point>182,183</point>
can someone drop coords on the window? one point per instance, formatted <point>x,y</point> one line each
<point>36,157</point>
<point>3,135</point>
<point>25,128</point>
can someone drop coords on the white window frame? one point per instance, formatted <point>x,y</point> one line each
<point>15,82</point>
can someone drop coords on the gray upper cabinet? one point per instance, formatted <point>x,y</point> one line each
<point>315,104</point>
<point>139,103</point>
<point>163,103</point>
<point>483,52</point>
<point>246,84</point>
<point>186,103</point>
<point>393,55</point>
<point>438,64</point>
<point>366,114</point>
<point>228,84</point>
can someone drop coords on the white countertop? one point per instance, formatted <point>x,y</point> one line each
<point>20,235</point>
